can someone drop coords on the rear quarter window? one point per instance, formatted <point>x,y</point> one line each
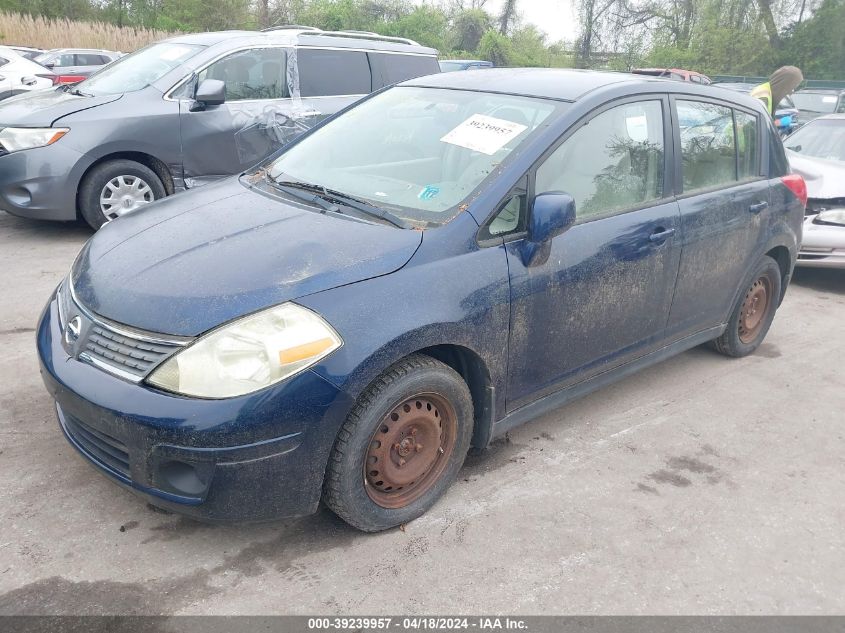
<point>778,165</point>
<point>324,72</point>
<point>396,68</point>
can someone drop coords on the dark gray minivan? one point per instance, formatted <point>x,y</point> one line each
<point>183,112</point>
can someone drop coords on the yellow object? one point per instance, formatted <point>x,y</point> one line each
<point>763,92</point>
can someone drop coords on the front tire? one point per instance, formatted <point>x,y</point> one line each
<point>115,188</point>
<point>754,312</point>
<point>401,446</point>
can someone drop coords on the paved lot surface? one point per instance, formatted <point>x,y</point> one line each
<point>701,485</point>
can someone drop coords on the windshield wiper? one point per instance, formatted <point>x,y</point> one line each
<point>294,189</point>
<point>346,200</point>
<point>79,93</point>
<point>353,202</point>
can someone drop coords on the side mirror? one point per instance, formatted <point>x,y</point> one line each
<point>211,92</point>
<point>50,65</point>
<point>552,213</point>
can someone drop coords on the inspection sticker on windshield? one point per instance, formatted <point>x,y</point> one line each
<point>485,134</point>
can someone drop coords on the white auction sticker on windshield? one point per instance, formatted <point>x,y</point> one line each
<point>485,134</point>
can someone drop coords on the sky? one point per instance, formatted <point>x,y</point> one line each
<point>555,17</point>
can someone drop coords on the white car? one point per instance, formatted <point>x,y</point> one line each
<point>19,75</point>
<point>817,152</point>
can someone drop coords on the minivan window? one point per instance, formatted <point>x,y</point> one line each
<point>396,68</point>
<point>139,69</point>
<point>324,72</point>
<point>708,150</point>
<point>418,152</point>
<point>747,150</point>
<point>614,162</point>
<point>252,74</point>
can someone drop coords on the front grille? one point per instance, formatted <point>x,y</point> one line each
<point>119,350</point>
<point>102,448</point>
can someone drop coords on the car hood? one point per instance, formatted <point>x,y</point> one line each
<point>201,258</point>
<point>43,108</point>
<point>825,178</point>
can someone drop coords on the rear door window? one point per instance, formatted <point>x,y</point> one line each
<point>249,75</point>
<point>708,150</point>
<point>324,72</point>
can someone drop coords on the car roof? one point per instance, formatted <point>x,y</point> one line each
<point>305,37</point>
<point>566,84</point>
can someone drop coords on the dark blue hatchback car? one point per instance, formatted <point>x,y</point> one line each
<point>437,264</point>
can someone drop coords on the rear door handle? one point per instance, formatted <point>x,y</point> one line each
<point>661,235</point>
<point>757,207</point>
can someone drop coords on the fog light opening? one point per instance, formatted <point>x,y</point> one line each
<point>182,477</point>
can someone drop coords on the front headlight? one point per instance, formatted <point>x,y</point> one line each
<point>833,216</point>
<point>248,354</point>
<point>14,139</point>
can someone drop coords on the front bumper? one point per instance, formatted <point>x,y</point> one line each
<point>252,458</point>
<point>41,183</point>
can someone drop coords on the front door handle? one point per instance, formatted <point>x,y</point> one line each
<point>661,235</point>
<point>759,206</point>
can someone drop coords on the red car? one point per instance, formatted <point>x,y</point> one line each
<point>674,73</point>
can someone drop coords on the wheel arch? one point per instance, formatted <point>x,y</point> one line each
<point>472,368</point>
<point>148,160</point>
<point>783,258</point>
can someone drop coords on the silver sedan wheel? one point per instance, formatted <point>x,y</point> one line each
<point>124,194</point>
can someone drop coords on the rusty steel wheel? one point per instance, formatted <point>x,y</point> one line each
<point>754,309</point>
<point>409,450</point>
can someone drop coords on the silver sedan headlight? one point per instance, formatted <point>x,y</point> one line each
<point>832,216</point>
<point>248,354</point>
<point>14,139</point>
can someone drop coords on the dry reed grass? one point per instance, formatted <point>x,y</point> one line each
<point>39,32</point>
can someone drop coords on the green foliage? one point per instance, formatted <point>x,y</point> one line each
<point>711,36</point>
<point>496,48</point>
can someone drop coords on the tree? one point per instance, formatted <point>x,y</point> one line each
<point>507,17</point>
<point>496,48</point>
<point>468,27</point>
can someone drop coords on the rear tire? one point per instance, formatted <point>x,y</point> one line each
<point>115,188</point>
<point>401,446</point>
<point>754,312</point>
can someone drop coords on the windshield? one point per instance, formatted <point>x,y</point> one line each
<point>815,102</point>
<point>417,152</point>
<point>822,138</point>
<point>449,66</point>
<point>138,70</point>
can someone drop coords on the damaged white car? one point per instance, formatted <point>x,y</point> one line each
<point>817,152</point>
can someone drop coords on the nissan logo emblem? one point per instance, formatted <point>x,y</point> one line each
<point>72,330</point>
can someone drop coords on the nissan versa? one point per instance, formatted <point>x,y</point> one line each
<point>437,264</point>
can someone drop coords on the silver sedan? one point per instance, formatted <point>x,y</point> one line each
<point>817,152</point>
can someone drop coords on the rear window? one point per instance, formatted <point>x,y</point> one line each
<point>324,72</point>
<point>396,68</point>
